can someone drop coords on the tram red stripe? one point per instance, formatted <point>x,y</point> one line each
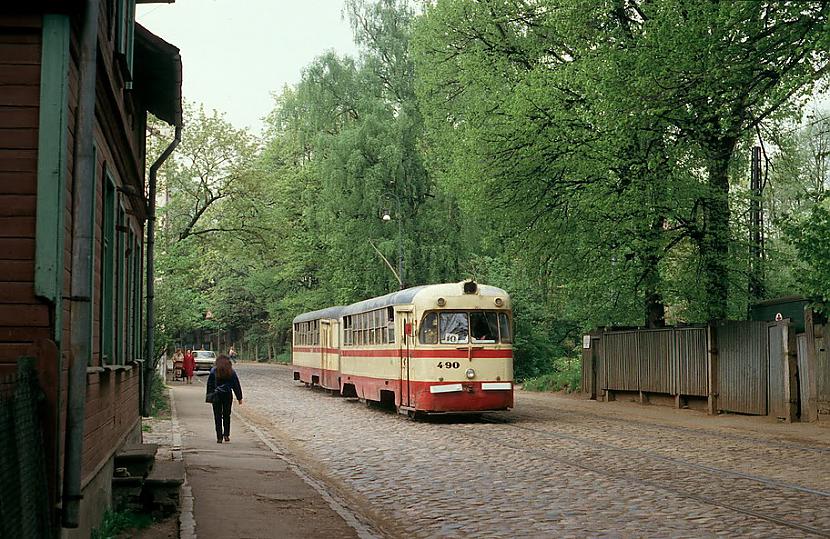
<point>422,353</point>
<point>501,354</point>
<point>471,398</point>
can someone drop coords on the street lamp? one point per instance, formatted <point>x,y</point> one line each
<point>386,216</point>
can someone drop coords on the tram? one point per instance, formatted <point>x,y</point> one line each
<point>433,349</point>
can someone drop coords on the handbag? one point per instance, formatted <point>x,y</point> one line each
<point>210,397</point>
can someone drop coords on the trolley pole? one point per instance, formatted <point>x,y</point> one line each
<point>400,248</point>
<point>386,216</point>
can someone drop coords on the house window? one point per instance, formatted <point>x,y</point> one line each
<point>121,334</point>
<point>107,327</point>
<point>125,34</point>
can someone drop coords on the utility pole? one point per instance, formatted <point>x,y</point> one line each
<point>756,231</point>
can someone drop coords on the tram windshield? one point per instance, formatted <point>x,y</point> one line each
<point>454,327</point>
<point>478,327</point>
<point>484,327</point>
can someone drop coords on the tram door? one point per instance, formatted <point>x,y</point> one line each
<point>405,330</point>
<point>325,331</point>
<point>329,344</point>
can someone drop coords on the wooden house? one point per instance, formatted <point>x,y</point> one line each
<point>77,81</point>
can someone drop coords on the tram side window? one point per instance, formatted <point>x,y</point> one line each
<point>454,328</point>
<point>390,325</point>
<point>484,326</point>
<point>380,334</point>
<point>504,328</point>
<point>429,329</point>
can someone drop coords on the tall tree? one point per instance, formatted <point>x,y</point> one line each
<point>619,112</point>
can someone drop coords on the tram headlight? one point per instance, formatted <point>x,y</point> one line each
<point>471,373</point>
<point>499,302</point>
<point>441,302</point>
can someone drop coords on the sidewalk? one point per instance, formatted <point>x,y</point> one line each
<point>243,488</point>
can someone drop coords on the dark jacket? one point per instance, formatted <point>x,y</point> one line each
<point>226,386</point>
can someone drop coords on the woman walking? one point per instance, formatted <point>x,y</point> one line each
<point>222,385</point>
<point>188,366</point>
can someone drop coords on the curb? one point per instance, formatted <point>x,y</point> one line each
<point>187,524</point>
<point>339,507</point>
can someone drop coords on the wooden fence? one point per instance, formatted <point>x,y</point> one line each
<point>746,367</point>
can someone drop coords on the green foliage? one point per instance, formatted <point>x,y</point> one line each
<point>606,133</point>
<point>811,238</point>
<point>588,157</point>
<point>564,373</point>
<point>116,523</point>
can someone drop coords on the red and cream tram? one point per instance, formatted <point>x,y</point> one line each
<point>435,349</point>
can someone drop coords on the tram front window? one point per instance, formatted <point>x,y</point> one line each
<point>429,329</point>
<point>504,328</point>
<point>484,327</point>
<point>454,328</point>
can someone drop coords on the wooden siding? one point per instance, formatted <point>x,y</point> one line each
<point>23,318</point>
<point>111,414</point>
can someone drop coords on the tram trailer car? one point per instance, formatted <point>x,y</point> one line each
<point>442,348</point>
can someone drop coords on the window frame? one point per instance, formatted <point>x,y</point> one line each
<point>500,315</point>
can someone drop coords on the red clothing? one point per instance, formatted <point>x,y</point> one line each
<point>188,365</point>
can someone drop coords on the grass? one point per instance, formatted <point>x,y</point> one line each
<point>566,374</point>
<point>160,401</point>
<point>116,523</point>
<point>284,358</point>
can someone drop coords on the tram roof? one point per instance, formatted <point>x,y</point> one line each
<point>400,297</point>
<point>328,313</point>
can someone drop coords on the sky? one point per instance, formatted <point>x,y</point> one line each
<point>236,54</point>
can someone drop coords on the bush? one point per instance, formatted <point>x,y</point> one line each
<point>116,523</point>
<point>566,373</point>
<point>160,401</point>
<point>284,358</point>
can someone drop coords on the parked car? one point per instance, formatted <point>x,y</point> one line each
<point>204,359</point>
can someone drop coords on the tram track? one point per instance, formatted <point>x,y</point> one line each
<point>650,454</point>
<point>817,498</point>
<point>696,431</point>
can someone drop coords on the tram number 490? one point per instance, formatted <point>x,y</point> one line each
<point>448,364</point>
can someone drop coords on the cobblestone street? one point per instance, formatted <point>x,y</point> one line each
<point>554,467</point>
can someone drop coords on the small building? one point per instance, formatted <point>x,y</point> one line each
<point>77,81</point>
<point>791,307</point>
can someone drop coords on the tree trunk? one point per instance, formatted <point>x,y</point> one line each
<point>655,309</point>
<point>714,248</point>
